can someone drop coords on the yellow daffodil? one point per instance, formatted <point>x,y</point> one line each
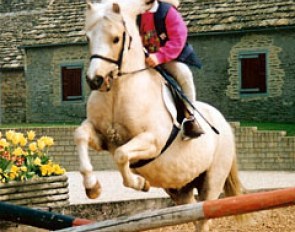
<point>46,170</point>
<point>14,169</point>
<point>24,169</point>
<point>58,170</point>
<point>47,140</point>
<point>18,151</point>
<point>37,161</point>
<point>40,144</point>
<point>12,176</point>
<point>4,143</point>
<point>33,146</point>
<point>23,141</point>
<point>16,138</point>
<point>9,134</point>
<point>25,153</point>
<point>31,135</point>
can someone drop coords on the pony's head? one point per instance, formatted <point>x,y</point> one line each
<point>114,40</point>
<point>106,33</point>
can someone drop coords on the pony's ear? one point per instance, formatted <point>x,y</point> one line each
<point>116,8</point>
<point>89,4</point>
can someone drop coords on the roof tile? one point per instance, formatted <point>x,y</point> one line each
<point>63,22</point>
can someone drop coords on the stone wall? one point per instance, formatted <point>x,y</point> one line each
<point>13,96</point>
<point>264,150</point>
<point>217,81</point>
<point>256,150</point>
<point>43,75</point>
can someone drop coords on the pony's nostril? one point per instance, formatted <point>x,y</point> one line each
<point>98,81</point>
<point>95,83</point>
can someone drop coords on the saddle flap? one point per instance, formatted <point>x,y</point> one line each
<point>170,101</point>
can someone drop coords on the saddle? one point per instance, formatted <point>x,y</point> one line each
<point>174,104</point>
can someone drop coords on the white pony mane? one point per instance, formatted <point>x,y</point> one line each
<point>98,10</point>
<point>131,7</point>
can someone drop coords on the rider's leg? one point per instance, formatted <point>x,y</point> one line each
<point>184,77</point>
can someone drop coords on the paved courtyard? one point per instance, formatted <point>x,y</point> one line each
<point>113,189</point>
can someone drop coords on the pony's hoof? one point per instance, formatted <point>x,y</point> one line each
<point>146,186</point>
<point>94,192</point>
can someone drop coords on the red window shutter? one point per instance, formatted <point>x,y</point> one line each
<point>71,84</point>
<point>253,70</point>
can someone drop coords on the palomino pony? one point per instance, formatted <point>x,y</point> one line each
<point>132,122</point>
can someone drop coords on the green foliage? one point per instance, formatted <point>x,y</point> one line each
<point>288,127</point>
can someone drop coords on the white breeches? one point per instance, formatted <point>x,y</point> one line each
<point>184,77</point>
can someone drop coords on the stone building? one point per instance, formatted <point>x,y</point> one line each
<point>16,17</point>
<point>246,46</point>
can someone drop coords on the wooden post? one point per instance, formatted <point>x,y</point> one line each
<point>186,213</point>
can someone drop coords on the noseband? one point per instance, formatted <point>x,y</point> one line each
<point>120,58</point>
<point>110,76</point>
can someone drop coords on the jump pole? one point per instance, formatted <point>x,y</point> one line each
<point>192,212</point>
<point>38,218</point>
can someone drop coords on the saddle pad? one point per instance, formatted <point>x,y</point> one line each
<point>170,104</point>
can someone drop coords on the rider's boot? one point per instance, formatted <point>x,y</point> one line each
<point>191,128</point>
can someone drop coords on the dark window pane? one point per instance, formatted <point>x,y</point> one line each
<point>71,84</point>
<point>253,71</point>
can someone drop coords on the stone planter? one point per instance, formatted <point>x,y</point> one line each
<point>43,192</point>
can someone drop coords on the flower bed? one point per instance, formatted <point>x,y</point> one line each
<point>28,176</point>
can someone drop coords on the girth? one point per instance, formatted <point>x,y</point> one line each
<point>173,135</point>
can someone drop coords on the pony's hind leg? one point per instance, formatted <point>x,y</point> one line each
<point>211,188</point>
<point>85,135</point>
<point>140,147</point>
<point>183,196</point>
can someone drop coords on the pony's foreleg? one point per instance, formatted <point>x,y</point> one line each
<point>85,135</point>
<point>143,146</point>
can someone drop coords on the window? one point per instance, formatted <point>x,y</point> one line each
<point>253,78</point>
<point>71,83</point>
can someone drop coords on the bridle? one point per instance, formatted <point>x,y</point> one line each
<point>117,72</point>
<point>120,58</point>
<point>119,61</point>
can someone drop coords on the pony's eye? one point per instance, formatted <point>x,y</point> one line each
<point>116,40</point>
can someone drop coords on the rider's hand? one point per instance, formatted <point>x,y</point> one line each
<point>152,60</point>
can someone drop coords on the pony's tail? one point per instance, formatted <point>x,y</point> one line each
<point>233,186</point>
